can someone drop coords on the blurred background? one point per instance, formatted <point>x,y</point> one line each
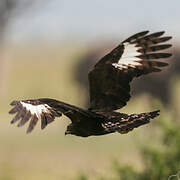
<point>46,50</point>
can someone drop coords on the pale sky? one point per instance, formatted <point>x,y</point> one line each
<point>65,19</point>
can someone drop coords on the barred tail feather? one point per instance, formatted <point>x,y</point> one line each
<point>136,120</point>
<point>123,123</point>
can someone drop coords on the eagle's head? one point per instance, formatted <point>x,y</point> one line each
<point>76,130</point>
<point>70,129</point>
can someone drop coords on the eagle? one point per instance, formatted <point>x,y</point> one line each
<point>109,89</point>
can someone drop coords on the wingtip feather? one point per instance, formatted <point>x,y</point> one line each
<point>13,103</point>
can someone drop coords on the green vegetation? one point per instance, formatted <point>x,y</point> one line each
<point>159,162</point>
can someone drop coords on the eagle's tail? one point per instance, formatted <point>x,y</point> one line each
<point>123,123</point>
<point>136,120</point>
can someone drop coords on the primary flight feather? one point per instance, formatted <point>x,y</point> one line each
<point>109,83</point>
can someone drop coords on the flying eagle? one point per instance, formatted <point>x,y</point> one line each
<point>109,83</point>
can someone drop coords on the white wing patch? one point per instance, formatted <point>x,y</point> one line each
<point>32,111</point>
<point>128,58</point>
<point>36,109</point>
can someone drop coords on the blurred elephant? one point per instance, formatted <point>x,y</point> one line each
<point>156,85</point>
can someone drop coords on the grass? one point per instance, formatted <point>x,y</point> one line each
<point>48,154</point>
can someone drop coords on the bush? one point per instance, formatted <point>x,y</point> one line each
<point>159,163</point>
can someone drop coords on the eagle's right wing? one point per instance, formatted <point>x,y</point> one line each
<point>110,79</point>
<point>45,110</point>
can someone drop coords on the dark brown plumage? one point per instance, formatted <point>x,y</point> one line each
<point>109,90</point>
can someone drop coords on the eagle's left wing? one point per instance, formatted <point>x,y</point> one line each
<point>46,110</point>
<point>110,79</point>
